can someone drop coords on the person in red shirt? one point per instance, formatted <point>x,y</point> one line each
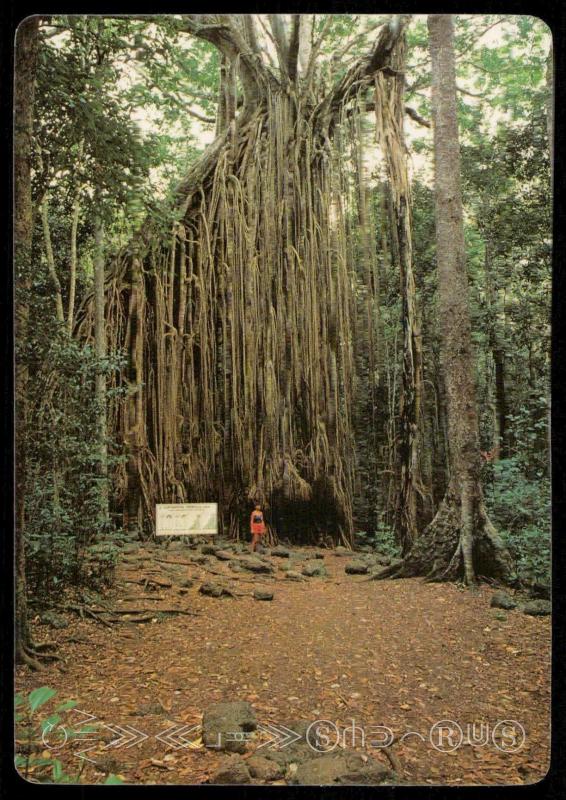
<point>257,525</point>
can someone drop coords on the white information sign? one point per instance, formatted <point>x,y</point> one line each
<point>186,519</point>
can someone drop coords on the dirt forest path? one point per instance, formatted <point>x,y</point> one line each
<point>402,654</point>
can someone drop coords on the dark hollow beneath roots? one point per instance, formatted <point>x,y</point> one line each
<point>298,521</point>
<point>437,554</point>
<point>302,522</point>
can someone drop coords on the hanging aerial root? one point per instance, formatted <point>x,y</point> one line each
<point>238,327</point>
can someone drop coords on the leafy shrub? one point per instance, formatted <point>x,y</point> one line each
<point>65,518</point>
<point>531,550</point>
<point>31,731</point>
<point>520,508</point>
<point>382,539</point>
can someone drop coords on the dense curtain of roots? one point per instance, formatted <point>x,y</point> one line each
<point>412,496</point>
<point>238,328</point>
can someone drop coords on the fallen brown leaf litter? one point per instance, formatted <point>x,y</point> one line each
<point>147,659</point>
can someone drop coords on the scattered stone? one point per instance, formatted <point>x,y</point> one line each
<point>314,569</point>
<point>379,558</point>
<point>356,568</point>
<point>175,568</point>
<point>264,551</point>
<point>500,616</point>
<point>54,620</point>
<point>186,583</point>
<point>264,769</point>
<point>297,556</point>
<point>149,709</point>
<point>233,769</point>
<point>342,551</point>
<point>375,573</point>
<point>295,750</point>
<point>223,555</point>
<point>212,589</point>
<point>537,608</point>
<point>280,552</point>
<point>342,768</point>
<point>293,575</point>
<point>132,534</point>
<point>285,565</point>
<point>503,600</point>
<point>183,591</point>
<point>199,559</point>
<point>108,764</point>
<point>221,722</point>
<point>256,565</point>
<point>209,549</point>
<point>180,545</point>
<point>368,775</point>
<point>540,589</point>
<point>235,566</point>
<point>263,594</point>
<point>318,554</point>
<point>130,548</point>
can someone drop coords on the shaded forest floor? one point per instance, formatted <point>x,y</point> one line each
<point>402,654</point>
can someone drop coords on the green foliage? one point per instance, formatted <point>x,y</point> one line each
<point>32,730</point>
<point>32,737</point>
<point>520,508</point>
<point>65,518</point>
<point>40,696</point>
<point>382,540</point>
<point>385,541</point>
<point>113,779</point>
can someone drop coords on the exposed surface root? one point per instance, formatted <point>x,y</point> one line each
<point>32,655</point>
<point>437,554</point>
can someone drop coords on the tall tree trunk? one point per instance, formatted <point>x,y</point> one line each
<point>550,107</point>
<point>500,444</point>
<point>100,380</point>
<point>73,261</point>
<point>51,259</point>
<point>25,67</point>
<point>460,541</point>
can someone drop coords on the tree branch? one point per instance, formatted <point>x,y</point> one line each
<point>470,94</point>
<point>269,35</point>
<point>416,117</point>
<point>357,39</point>
<point>250,31</point>
<point>377,59</point>
<point>280,40</point>
<point>293,54</point>
<point>218,30</point>
<point>315,48</point>
<point>201,117</point>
